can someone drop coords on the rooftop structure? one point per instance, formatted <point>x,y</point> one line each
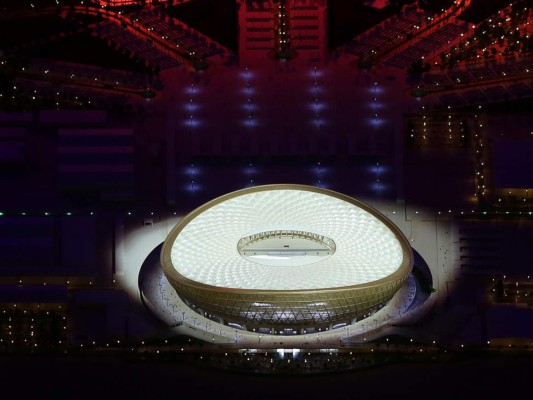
<point>286,255</point>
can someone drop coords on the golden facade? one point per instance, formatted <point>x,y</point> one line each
<point>288,309</point>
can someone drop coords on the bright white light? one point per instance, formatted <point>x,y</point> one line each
<point>206,249</point>
<point>269,257</point>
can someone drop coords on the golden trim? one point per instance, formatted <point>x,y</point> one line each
<point>343,302</point>
<point>401,271</point>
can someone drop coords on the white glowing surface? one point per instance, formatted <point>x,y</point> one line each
<point>282,261</point>
<point>286,251</point>
<point>206,249</point>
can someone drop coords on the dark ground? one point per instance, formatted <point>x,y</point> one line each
<point>107,378</point>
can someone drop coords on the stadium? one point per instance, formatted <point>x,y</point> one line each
<point>286,259</point>
<point>136,140</point>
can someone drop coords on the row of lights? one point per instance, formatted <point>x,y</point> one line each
<point>68,213</point>
<point>431,129</point>
<point>281,21</point>
<point>249,105</point>
<point>59,97</point>
<point>13,337</point>
<point>317,104</point>
<point>414,29</point>
<point>161,36</point>
<point>192,91</point>
<point>479,166</point>
<point>508,21</point>
<point>319,173</point>
<point>515,286</point>
<point>192,177</point>
<point>375,118</point>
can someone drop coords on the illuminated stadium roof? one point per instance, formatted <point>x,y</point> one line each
<point>286,256</point>
<point>285,237</point>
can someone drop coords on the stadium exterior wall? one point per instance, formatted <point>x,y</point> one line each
<point>288,309</point>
